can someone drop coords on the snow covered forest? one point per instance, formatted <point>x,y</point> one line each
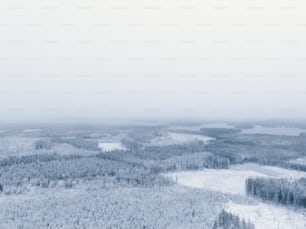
<point>152,176</point>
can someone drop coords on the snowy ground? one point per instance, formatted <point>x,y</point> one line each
<point>16,146</point>
<point>31,130</point>
<point>269,216</point>
<point>198,127</point>
<point>230,180</point>
<point>300,161</point>
<point>111,146</point>
<point>178,138</point>
<point>274,131</point>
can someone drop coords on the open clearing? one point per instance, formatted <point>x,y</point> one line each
<point>269,216</point>
<point>111,146</point>
<point>230,180</point>
<point>171,138</point>
<point>300,161</point>
<point>274,131</point>
<point>198,127</point>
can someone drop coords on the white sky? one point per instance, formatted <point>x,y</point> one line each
<point>101,60</point>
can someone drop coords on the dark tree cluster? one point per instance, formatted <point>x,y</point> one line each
<point>164,152</point>
<point>227,220</point>
<point>216,132</point>
<point>50,170</point>
<point>280,191</point>
<point>43,144</point>
<point>189,161</point>
<point>286,165</point>
<point>27,159</point>
<point>250,149</point>
<point>78,143</point>
<point>193,161</point>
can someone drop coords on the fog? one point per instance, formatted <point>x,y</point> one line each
<point>118,60</point>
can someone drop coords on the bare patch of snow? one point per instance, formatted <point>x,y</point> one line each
<point>230,180</point>
<point>31,130</point>
<point>171,138</point>
<point>274,131</point>
<point>198,127</point>
<point>300,161</point>
<point>268,216</point>
<point>111,146</point>
<point>16,146</point>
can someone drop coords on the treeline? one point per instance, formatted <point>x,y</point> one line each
<point>227,220</point>
<point>164,152</point>
<point>250,149</point>
<point>286,165</point>
<point>193,161</point>
<point>280,191</point>
<point>43,144</point>
<point>78,143</point>
<point>95,205</point>
<point>51,170</point>
<point>189,161</point>
<point>283,163</point>
<point>216,132</point>
<point>27,159</point>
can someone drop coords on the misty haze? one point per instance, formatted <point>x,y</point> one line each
<point>152,114</point>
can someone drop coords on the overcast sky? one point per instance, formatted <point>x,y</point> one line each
<point>137,59</point>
